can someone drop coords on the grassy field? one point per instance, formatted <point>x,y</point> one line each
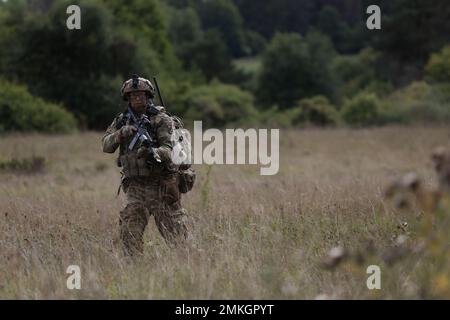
<point>254,237</point>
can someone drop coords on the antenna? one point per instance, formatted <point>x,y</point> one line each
<point>159,92</point>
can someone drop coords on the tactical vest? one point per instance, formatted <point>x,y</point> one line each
<point>131,165</point>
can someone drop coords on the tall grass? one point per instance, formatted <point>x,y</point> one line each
<point>259,236</point>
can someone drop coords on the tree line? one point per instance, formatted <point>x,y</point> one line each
<point>243,62</point>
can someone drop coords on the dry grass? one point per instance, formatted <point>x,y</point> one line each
<point>254,236</point>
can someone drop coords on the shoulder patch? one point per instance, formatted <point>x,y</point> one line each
<point>164,121</point>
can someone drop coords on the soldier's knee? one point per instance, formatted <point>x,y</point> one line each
<point>133,219</point>
<point>172,225</point>
<point>177,217</point>
<point>132,222</point>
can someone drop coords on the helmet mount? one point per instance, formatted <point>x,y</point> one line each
<point>137,83</point>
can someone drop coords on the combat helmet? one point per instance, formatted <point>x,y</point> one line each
<point>137,83</point>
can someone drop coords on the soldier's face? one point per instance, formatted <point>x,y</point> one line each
<point>138,101</point>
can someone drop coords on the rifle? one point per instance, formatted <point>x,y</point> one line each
<point>142,134</point>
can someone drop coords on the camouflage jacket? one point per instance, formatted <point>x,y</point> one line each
<point>160,129</point>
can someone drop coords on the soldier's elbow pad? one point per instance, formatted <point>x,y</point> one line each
<point>107,149</point>
<point>110,143</point>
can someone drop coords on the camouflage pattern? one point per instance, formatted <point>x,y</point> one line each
<point>142,84</point>
<point>441,162</point>
<point>151,188</point>
<point>162,127</point>
<point>159,197</point>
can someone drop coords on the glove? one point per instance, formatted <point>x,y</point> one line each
<point>185,166</point>
<point>143,152</point>
<point>126,132</point>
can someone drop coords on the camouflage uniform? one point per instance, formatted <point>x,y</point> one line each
<point>151,188</point>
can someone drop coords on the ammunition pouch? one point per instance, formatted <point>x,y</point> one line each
<point>132,166</point>
<point>186,180</point>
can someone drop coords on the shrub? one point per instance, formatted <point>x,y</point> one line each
<point>438,67</point>
<point>32,164</point>
<point>316,110</point>
<point>276,118</point>
<point>356,73</point>
<point>20,111</point>
<point>361,110</point>
<point>218,104</point>
<point>418,102</point>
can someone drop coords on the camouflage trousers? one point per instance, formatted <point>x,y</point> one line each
<point>157,196</point>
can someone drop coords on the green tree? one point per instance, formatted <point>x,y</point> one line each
<point>146,20</point>
<point>294,68</point>
<point>211,56</point>
<point>67,66</point>
<point>224,16</point>
<point>84,69</point>
<point>184,32</point>
<point>359,72</point>
<point>361,110</point>
<point>270,16</point>
<point>411,31</point>
<point>333,25</point>
<point>21,111</point>
<point>254,43</point>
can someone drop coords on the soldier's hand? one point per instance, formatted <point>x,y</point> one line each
<point>149,154</point>
<point>126,132</point>
<point>143,152</point>
<point>185,166</point>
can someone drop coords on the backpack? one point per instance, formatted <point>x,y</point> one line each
<point>181,155</point>
<point>186,179</point>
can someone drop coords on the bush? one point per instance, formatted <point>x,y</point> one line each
<point>438,67</point>
<point>357,72</point>
<point>419,102</point>
<point>361,110</point>
<point>218,104</point>
<point>317,110</point>
<point>20,111</point>
<point>276,118</point>
<point>32,164</point>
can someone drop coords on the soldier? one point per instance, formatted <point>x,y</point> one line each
<point>149,177</point>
